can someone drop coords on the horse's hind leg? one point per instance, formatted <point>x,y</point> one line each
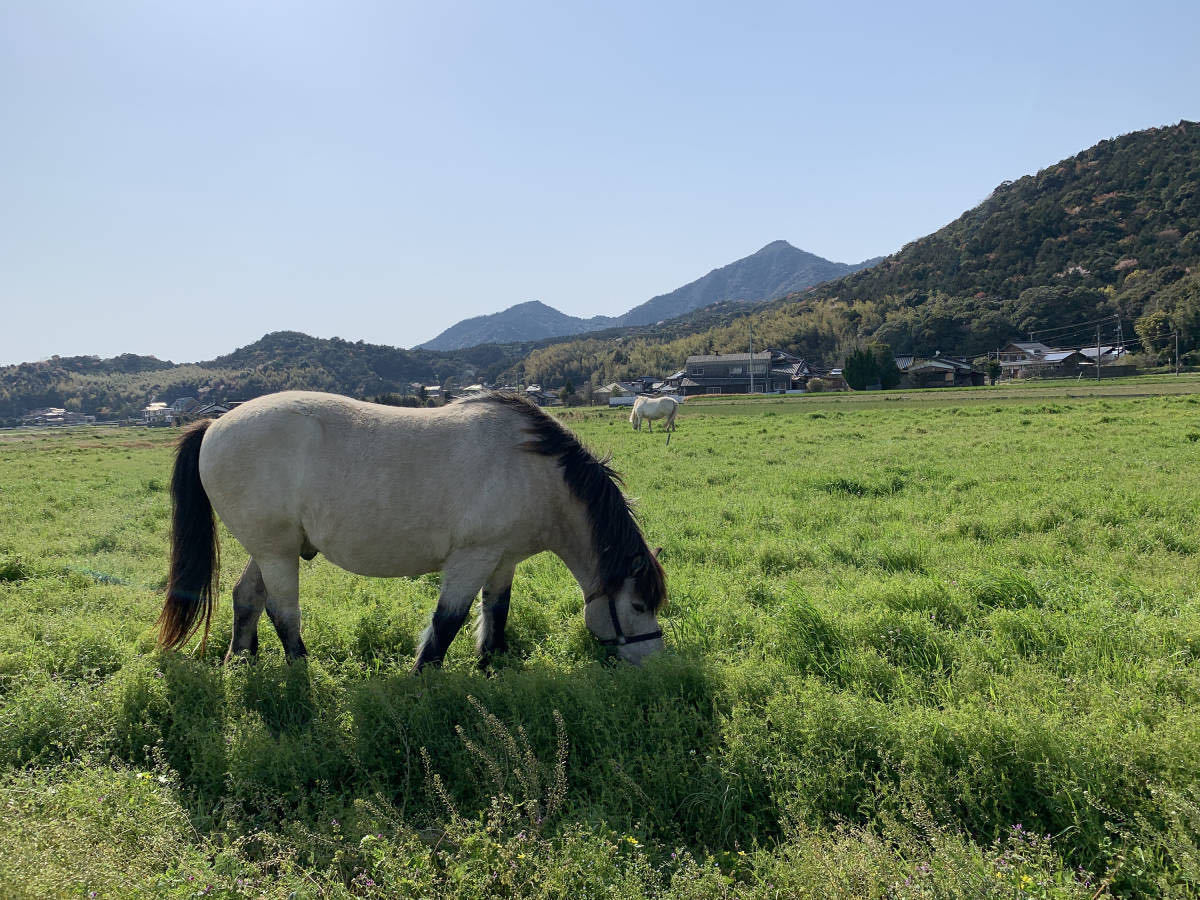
<point>282,578</point>
<point>249,598</point>
<point>493,615</point>
<point>461,581</point>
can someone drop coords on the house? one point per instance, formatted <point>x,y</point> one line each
<point>542,397</point>
<point>603,395</point>
<point>767,371</point>
<point>1052,364</point>
<point>938,371</point>
<point>673,383</point>
<point>1110,355</point>
<point>644,384</point>
<point>156,413</point>
<point>1032,359</point>
<point>56,415</point>
<point>1022,351</point>
<point>1114,362</point>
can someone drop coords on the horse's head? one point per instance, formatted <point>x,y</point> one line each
<point>626,619</point>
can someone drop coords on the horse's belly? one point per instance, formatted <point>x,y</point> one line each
<point>388,561</point>
<point>382,550</point>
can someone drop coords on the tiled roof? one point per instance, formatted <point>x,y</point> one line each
<point>941,362</point>
<point>1036,347</point>
<point>728,357</point>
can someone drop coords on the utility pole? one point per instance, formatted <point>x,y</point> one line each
<point>750,364</point>
<point>1097,352</point>
<point>1176,351</point>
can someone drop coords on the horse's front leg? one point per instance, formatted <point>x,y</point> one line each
<point>493,617</point>
<point>461,581</point>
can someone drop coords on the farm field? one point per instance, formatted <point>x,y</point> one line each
<point>938,644</point>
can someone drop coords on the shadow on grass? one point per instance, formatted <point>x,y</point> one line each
<point>270,744</point>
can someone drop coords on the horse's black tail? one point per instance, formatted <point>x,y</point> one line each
<point>195,556</point>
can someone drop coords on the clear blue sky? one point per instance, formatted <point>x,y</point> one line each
<point>178,179</point>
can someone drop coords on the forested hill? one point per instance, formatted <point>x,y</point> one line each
<point>283,360</point>
<point>1113,230</point>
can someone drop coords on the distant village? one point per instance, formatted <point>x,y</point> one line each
<point>764,372</point>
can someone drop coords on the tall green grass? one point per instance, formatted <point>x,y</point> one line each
<point>917,650</point>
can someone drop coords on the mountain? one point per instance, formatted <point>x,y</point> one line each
<point>121,386</point>
<point>775,270</point>
<point>1111,232</point>
<point>530,321</point>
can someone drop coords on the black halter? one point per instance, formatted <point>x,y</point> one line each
<point>620,639</point>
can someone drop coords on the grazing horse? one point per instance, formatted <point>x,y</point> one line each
<point>651,409</point>
<point>469,489</point>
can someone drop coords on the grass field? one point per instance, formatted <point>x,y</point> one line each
<point>943,645</point>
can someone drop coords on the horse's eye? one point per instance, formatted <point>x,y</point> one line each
<point>638,607</point>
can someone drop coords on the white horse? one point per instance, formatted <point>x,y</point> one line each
<point>469,489</point>
<point>651,409</point>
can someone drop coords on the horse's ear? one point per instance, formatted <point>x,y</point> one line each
<point>656,551</point>
<point>639,564</point>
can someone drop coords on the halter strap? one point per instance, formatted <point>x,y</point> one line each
<point>620,639</point>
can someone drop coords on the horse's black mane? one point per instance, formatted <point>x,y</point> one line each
<point>619,542</point>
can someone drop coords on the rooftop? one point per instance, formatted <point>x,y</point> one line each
<point>728,357</point>
<point>1034,347</point>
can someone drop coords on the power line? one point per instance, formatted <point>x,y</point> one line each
<point>1076,326</point>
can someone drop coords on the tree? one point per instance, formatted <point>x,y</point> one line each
<point>1186,316</point>
<point>1055,306</point>
<point>861,369</point>
<point>1154,331</point>
<point>885,365</point>
<point>993,370</point>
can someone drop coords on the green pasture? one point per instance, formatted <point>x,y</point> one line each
<point>942,645</point>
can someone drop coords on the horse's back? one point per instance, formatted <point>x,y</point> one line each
<point>377,489</point>
<point>656,407</point>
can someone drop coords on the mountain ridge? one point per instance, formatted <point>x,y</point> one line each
<point>528,321</point>
<point>772,271</point>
